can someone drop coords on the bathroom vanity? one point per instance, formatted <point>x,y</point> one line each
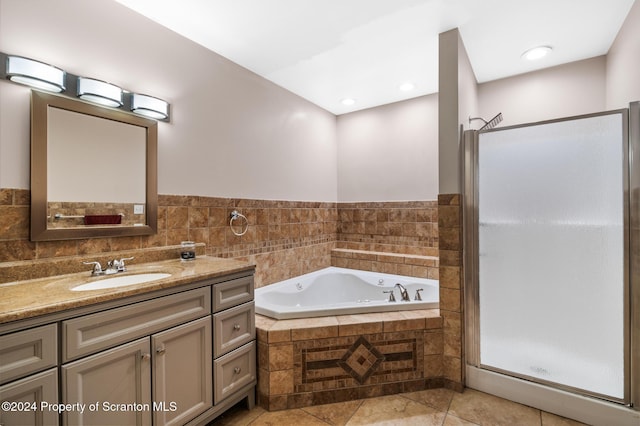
<point>178,350</point>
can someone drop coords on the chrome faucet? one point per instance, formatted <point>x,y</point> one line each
<point>97,268</point>
<point>113,267</point>
<point>119,264</point>
<point>403,292</point>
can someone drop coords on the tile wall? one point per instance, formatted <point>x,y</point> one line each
<point>407,227</point>
<point>284,239</point>
<point>313,361</point>
<point>451,294</point>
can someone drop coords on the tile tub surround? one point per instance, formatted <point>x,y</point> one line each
<point>388,263</point>
<point>322,360</point>
<point>405,227</point>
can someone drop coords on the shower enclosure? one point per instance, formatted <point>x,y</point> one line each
<point>547,261</point>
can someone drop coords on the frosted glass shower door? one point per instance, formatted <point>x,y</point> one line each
<point>551,250</point>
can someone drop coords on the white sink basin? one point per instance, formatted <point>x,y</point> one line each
<point>121,281</point>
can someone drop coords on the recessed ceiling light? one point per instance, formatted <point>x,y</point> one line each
<point>405,87</point>
<point>537,52</point>
<point>348,101</point>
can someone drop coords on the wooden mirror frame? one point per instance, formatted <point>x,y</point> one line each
<point>40,103</point>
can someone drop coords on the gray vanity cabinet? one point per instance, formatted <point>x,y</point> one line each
<point>111,379</point>
<point>27,394</point>
<point>176,361</point>
<point>181,376</point>
<point>23,383</point>
<point>162,377</point>
<point>178,357</point>
<point>234,347</point>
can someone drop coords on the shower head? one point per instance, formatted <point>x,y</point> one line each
<point>488,124</point>
<point>493,122</point>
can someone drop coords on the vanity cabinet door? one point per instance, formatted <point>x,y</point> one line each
<point>29,396</point>
<point>117,380</point>
<point>29,351</point>
<point>182,370</point>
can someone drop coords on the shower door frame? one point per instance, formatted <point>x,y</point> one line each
<point>475,371</point>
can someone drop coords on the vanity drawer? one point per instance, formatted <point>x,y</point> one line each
<point>234,370</point>
<point>232,293</point>
<point>26,352</point>
<point>233,328</point>
<point>95,332</point>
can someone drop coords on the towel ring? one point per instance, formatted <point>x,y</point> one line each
<point>235,215</point>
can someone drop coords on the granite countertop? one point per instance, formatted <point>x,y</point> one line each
<point>31,298</point>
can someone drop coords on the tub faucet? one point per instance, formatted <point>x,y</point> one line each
<point>403,292</point>
<point>392,298</point>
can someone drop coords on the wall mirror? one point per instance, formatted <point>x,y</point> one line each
<point>93,170</point>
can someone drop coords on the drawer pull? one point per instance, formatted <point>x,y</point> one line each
<point>237,370</point>
<point>236,326</point>
<point>160,350</point>
<point>146,356</point>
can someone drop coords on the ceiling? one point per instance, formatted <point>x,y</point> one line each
<point>329,50</point>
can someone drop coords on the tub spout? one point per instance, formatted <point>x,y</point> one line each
<point>403,292</point>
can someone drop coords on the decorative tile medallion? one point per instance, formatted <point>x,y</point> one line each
<point>361,360</point>
<point>352,361</point>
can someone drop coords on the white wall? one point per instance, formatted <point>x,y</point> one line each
<point>389,153</point>
<point>623,63</point>
<point>562,91</point>
<point>232,133</point>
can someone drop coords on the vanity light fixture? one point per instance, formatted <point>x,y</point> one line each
<point>40,75</point>
<point>537,52</point>
<point>99,92</point>
<point>149,106</point>
<point>36,74</point>
<point>348,101</point>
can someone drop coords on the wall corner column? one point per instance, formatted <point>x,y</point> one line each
<point>457,100</point>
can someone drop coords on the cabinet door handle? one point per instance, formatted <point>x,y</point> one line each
<point>160,350</point>
<point>237,370</point>
<point>236,326</point>
<point>146,356</point>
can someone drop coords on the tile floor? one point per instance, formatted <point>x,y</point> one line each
<point>424,408</point>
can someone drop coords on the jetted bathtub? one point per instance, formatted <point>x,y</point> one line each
<point>340,291</point>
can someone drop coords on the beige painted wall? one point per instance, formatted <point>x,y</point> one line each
<point>458,101</point>
<point>468,88</point>
<point>389,153</point>
<point>623,63</point>
<point>232,133</point>
<point>448,122</point>
<point>562,91</point>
